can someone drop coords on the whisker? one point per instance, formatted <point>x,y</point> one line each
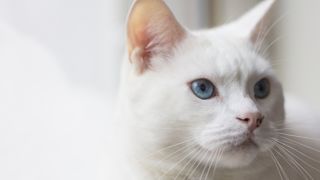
<point>213,158</point>
<point>296,150</point>
<point>284,128</point>
<point>285,175</point>
<point>301,144</point>
<point>192,169</point>
<point>271,44</point>
<point>303,171</point>
<point>303,137</point>
<point>216,163</point>
<point>189,161</point>
<point>174,155</point>
<point>283,156</point>
<point>267,31</point>
<point>182,128</point>
<point>303,161</point>
<point>292,163</point>
<point>177,163</point>
<point>276,162</point>
<point>198,164</point>
<point>171,146</point>
<point>204,169</point>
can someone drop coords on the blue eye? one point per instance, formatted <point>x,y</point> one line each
<point>262,89</point>
<point>203,88</point>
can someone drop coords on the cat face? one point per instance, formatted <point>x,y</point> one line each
<point>204,92</point>
<point>234,70</point>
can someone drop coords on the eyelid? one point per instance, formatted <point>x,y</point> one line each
<point>194,79</point>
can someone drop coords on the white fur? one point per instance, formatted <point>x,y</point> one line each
<point>161,114</point>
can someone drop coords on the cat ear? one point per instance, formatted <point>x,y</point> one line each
<point>152,30</point>
<point>253,23</point>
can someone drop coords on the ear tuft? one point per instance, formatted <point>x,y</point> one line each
<point>254,22</point>
<point>151,30</point>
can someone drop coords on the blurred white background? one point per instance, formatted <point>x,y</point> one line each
<point>59,67</point>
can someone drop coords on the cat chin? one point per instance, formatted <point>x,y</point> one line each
<point>236,154</point>
<point>237,157</point>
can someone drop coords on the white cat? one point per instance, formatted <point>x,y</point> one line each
<point>207,105</point>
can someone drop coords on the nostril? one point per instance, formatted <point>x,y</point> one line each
<point>243,119</point>
<point>259,121</point>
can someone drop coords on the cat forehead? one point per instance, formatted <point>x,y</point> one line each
<point>221,55</point>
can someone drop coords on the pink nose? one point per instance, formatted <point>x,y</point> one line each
<point>253,120</point>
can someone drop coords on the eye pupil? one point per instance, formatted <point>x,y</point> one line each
<point>203,88</point>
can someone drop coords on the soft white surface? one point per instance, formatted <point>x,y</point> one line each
<point>86,36</point>
<point>58,71</point>
<point>48,130</point>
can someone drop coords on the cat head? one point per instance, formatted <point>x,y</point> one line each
<point>202,92</point>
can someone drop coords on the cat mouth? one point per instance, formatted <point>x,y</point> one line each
<point>248,142</point>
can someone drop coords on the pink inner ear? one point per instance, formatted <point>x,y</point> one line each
<point>152,30</point>
<point>140,43</point>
